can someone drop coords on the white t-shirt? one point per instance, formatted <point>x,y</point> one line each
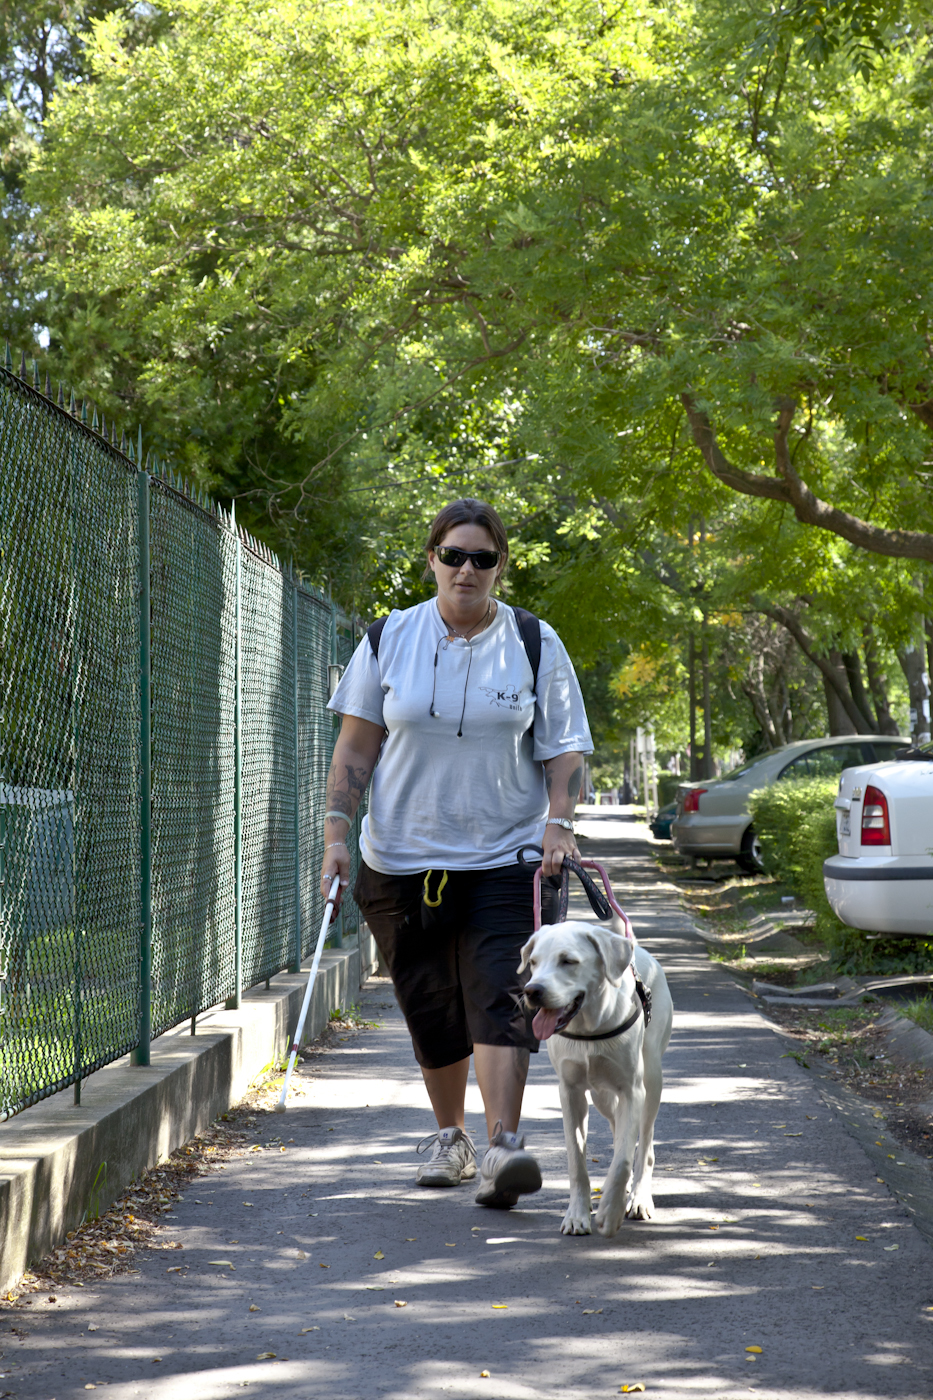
<point>443,802</point>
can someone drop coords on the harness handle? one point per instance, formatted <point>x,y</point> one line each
<point>603,906</point>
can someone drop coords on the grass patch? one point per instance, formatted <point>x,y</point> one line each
<point>920,1011</point>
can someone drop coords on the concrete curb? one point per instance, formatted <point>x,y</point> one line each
<point>58,1161</point>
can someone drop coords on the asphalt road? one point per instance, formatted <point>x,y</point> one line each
<point>772,1231</point>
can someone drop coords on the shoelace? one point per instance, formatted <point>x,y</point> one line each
<point>443,1148</point>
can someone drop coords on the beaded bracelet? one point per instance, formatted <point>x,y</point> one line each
<point>337,843</point>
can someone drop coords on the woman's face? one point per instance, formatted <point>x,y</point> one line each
<point>466,588</point>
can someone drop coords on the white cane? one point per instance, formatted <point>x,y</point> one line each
<point>328,914</point>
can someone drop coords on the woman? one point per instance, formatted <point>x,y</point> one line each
<point>474,763</point>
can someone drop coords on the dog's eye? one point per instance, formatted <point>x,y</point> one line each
<point>569,962</point>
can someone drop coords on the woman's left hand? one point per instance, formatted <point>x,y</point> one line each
<point>557,843</point>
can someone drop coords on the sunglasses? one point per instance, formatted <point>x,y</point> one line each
<point>456,558</point>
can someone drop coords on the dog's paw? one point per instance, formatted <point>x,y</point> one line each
<point>609,1219</point>
<point>640,1206</point>
<point>575,1223</point>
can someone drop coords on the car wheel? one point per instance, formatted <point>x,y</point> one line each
<point>749,858</point>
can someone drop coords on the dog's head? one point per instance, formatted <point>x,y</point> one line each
<point>568,963</point>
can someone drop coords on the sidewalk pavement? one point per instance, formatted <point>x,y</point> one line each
<point>772,1231</point>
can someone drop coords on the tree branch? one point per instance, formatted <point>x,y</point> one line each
<point>789,488</point>
<point>792,622</point>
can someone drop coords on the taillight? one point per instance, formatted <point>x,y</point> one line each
<point>876,830</point>
<point>692,799</point>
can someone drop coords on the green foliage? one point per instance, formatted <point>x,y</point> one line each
<point>920,1011</point>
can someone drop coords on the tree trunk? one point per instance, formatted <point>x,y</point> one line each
<point>692,687</point>
<point>913,664</point>
<point>878,685</point>
<point>707,711</point>
<point>839,721</point>
<point>853,667</point>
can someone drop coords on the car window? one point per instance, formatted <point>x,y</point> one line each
<point>885,751</point>
<point>746,768</point>
<point>825,763</point>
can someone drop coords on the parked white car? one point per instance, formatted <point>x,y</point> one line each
<point>713,820</point>
<point>882,878</point>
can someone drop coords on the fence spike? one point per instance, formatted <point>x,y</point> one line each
<point>61,394</point>
<point>94,423</point>
<point>129,449</point>
<point>9,357</point>
<point>123,441</point>
<point>48,385</point>
<point>72,405</point>
<point>139,443</point>
<point>22,364</point>
<point>35,374</point>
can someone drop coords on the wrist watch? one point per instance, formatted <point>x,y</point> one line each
<point>560,821</point>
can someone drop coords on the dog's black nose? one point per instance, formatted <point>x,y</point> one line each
<point>533,993</point>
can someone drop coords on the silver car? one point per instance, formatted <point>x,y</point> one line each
<point>713,819</point>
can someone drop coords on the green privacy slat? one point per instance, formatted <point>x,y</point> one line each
<point>70,756</point>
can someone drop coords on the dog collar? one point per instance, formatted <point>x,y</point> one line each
<point>643,1004</point>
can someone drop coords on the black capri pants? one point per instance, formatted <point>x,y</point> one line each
<point>455,966</point>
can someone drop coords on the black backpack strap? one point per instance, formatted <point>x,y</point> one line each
<point>530,628</point>
<point>374,633</point>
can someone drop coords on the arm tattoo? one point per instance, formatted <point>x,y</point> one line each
<point>573,783</point>
<point>344,792</point>
<point>549,779</point>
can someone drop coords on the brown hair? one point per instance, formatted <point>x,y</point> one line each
<point>468,511</point>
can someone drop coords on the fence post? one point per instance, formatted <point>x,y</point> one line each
<point>233,1003</point>
<point>296,959</point>
<point>141,1053</point>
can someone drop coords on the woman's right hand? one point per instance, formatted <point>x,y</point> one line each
<point>336,862</point>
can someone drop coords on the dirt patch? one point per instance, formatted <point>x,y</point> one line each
<point>851,1047</point>
<point>140,1218</point>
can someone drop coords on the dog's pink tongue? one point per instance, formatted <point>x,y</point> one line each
<point>544,1023</point>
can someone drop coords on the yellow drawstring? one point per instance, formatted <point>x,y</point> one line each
<point>433,903</point>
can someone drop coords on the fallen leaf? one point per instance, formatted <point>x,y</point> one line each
<point>323,1266</point>
<point>253,1308</point>
<point>877,1113</point>
<point>591,1312</point>
<point>863,1238</point>
<point>714,1227</point>
<point>450,1246</point>
<point>156,1358</point>
<point>90,1387</point>
<point>500,1305</point>
<point>413,1239</point>
<point>176,1268</point>
<point>756,1350</point>
<point>348,1318</point>
<point>266,1356</point>
<point>378,1254</point>
<point>889,1247</point>
<point>93,1327</point>
<point>475,1228</point>
<point>221,1264</point>
<point>400,1303</point>
<point>817,1287</point>
<point>793,1134</point>
<point>483,1374</point>
<point>248,1204</point>
<point>301,1254</point>
<point>630,1389</point>
<point>375,1287</point>
<point>308,1329</point>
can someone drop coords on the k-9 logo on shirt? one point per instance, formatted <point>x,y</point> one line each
<point>504,697</point>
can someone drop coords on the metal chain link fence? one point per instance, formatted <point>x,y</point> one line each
<point>156,856</point>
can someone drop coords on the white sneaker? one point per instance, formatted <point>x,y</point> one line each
<point>508,1172</point>
<point>452,1161</point>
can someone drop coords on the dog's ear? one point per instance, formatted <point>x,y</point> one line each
<point>527,952</point>
<point>615,953</point>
